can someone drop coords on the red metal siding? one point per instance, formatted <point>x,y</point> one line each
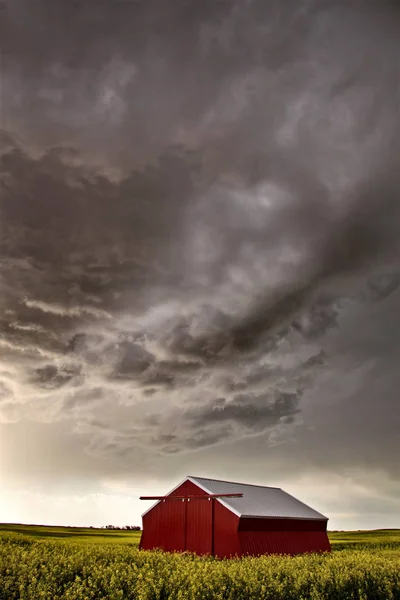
<point>199,526</point>
<point>283,542</point>
<point>268,524</point>
<point>282,536</point>
<point>163,527</point>
<point>187,488</point>
<point>226,540</point>
<point>179,525</point>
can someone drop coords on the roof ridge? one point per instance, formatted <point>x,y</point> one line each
<point>268,487</point>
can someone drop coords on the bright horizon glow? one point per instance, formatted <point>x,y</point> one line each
<point>120,506</point>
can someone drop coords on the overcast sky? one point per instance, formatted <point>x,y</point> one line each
<point>199,254</point>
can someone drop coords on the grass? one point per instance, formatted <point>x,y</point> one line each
<point>374,536</point>
<point>338,539</point>
<point>341,540</point>
<point>76,534</point>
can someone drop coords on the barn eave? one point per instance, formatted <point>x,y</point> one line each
<point>273,518</point>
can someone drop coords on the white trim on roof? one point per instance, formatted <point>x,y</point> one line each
<point>266,517</point>
<point>198,484</point>
<point>158,501</point>
<point>203,487</point>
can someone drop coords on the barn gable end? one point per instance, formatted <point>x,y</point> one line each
<point>189,525</point>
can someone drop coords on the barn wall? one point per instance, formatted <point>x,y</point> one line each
<point>198,519</point>
<point>179,525</point>
<point>226,540</point>
<point>268,524</point>
<point>187,487</point>
<point>282,536</point>
<point>163,527</point>
<point>283,542</point>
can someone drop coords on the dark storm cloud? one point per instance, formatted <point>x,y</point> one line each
<point>52,377</point>
<point>255,412</point>
<point>382,286</point>
<point>193,199</point>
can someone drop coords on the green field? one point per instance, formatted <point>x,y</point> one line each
<point>338,539</point>
<point>76,534</point>
<point>345,539</point>
<point>54,563</point>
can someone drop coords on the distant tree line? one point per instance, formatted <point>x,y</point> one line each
<point>123,528</point>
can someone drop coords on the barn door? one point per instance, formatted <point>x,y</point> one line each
<point>199,525</point>
<point>170,534</point>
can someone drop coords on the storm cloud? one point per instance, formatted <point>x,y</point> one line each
<point>200,236</point>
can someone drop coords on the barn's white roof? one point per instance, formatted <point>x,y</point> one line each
<point>257,500</point>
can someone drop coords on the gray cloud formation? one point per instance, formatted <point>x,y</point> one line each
<point>199,213</point>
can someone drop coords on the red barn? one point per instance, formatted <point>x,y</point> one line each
<point>226,519</point>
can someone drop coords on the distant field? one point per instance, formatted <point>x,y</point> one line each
<point>77,534</point>
<point>338,539</point>
<point>343,539</point>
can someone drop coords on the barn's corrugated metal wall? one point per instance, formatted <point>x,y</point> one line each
<point>226,540</point>
<point>179,525</point>
<point>198,536</point>
<point>282,542</point>
<point>163,527</point>
<point>258,524</point>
